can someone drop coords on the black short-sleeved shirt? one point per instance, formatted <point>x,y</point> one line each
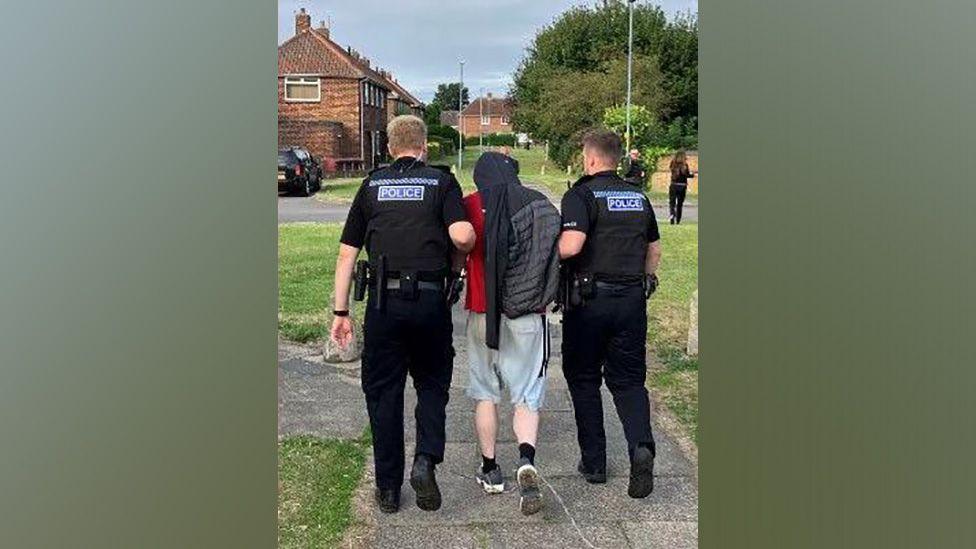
<point>403,211</point>
<point>578,213</point>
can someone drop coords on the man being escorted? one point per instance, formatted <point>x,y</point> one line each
<point>410,218</point>
<point>610,247</point>
<point>512,277</point>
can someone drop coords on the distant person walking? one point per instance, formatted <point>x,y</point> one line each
<point>635,171</point>
<point>680,173</point>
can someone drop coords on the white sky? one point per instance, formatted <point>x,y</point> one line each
<point>414,38</point>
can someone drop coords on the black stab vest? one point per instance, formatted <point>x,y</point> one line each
<point>405,223</point>
<point>616,244</point>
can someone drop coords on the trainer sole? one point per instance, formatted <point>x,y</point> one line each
<point>491,488</point>
<point>530,500</point>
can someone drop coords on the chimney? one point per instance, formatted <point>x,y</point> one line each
<point>489,96</point>
<point>366,61</point>
<point>303,21</point>
<point>324,29</point>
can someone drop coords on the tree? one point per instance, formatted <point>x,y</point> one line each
<point>586,49</point>
<point>432,115</point>
<point>571,102</point>
<point>446,96</point>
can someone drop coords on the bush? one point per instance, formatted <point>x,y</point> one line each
<point>641,124</point>
<point>446,145</point>
<point>434,151</point>
<point>678,134</point>
<point>447,132</point>
<point>491,140</point>
<point>652,155</point>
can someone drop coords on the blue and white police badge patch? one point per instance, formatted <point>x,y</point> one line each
<point>625,204</point>
<point>401,192</point>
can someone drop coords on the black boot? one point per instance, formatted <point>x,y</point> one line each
<point>388,500</point>
<point>641,473</point>
<point>593,477</point>
<point>424,483</point>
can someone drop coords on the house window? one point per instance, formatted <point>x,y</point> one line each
<point>303,89</point>
<point>505,120</point>
<point>485,120</point>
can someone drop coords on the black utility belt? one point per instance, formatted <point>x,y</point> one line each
<point>424,276</point>
<point>395,284</point>
<point>618,285</point>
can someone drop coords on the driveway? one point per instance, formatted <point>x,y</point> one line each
<point>292,209</point>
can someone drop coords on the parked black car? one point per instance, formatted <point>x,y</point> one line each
<point>298,171</point>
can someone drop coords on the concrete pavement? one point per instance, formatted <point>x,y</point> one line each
<point>293,209</point>
<point>325,400</point>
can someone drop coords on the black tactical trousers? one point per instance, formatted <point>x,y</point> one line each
<point>408,336</point>
<point>604,340</point>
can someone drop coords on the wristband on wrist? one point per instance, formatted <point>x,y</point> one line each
<point>341,313</point>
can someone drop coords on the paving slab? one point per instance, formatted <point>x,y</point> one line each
<point>559,536</point>
<point>460,426</point>
<point>673,499</point>
<point>464,503</point>
<point>337,419</point>
<point>556,459</point>
<point>662,535</point>
<point>426,537</point>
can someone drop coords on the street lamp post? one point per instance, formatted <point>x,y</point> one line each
<point>481,126</point>
<point>460,118</point>
<point>630,66</point>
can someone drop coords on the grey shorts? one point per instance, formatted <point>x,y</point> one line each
<point>519,364</point>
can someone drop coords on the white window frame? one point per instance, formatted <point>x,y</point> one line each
<point>505,121</point>
<point>302,80</point>
<point>486,120</point>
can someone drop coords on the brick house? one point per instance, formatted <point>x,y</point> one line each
<point>330,99</point>
<point>449,118</point>
<point>399,100</point>
<point>486,115</point>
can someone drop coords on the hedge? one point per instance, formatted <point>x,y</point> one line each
<point>491,140</point>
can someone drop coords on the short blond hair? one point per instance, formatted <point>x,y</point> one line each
<point>406,133</point>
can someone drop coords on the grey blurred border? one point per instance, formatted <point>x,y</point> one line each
<point>837,370</point>
<point>138,287</point>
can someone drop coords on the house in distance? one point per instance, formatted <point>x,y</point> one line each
<point>333,102</point>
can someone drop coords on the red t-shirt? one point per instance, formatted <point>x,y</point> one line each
<point>476,300</point>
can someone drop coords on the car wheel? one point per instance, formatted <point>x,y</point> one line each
<point>308,187</point>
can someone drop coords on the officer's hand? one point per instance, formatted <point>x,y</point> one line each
<point>342,331</point>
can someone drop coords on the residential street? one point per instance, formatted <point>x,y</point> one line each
<point>292,209</point>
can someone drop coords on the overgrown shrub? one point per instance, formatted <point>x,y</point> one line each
<point>641,124</point>
<point>491,140</point>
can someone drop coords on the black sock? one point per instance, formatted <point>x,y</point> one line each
<point>487,464</point>
<point>527,451</point>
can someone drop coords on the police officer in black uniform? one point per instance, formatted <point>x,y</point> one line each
<point>610,250</point>
<point>411,219</point>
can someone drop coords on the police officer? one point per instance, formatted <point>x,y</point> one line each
<point>411,219</point>
<point>610,249</point>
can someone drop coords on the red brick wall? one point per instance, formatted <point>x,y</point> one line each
<point>320,137</point>
<point>340,103</point>
<point>471,125</point>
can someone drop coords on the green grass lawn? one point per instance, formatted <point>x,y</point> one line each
<point>668,317</point>
<point>533,164</point>
<point>340,189</point>
<point>306,275</point>
<point>316,481</point>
